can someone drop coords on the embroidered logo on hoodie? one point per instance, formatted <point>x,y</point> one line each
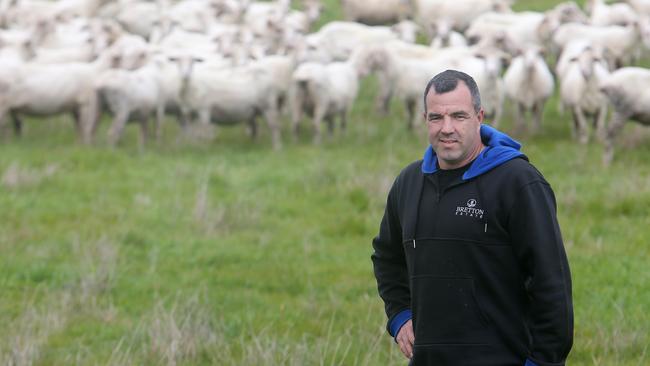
<point>470,209</point>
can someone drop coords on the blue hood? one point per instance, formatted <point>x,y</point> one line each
<point>499,149</point>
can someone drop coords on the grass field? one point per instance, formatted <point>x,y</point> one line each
<point>224,252</point>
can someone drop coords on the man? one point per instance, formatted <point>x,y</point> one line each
<point>469,258</point>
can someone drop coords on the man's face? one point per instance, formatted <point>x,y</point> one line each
<point>454,126</point>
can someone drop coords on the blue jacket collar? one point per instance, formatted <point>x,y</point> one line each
<point>499,148</point>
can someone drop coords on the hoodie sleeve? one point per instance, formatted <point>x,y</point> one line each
<point>537,242</point>
<point>389,261</point>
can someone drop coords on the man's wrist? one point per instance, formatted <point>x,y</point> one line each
<point>398,321</point>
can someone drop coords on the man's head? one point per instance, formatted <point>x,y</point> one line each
<point>453,115</point>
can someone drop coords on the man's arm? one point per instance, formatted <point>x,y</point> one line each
<point>537,242</point>
<point>390,264</point>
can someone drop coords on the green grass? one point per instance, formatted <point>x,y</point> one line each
<point>225,252</point>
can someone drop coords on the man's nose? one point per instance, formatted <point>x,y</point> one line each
<point>447,125</point>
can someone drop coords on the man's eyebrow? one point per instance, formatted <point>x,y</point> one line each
<point>459,113</point>
<point>433,114</point>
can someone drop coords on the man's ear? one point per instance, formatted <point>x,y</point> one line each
<point>481,116</point>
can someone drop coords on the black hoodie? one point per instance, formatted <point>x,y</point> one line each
<point>480,264</point>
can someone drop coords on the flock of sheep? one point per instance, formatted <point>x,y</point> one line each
<point>233,61</point>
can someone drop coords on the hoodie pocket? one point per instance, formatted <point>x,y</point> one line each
<point>445,311</point>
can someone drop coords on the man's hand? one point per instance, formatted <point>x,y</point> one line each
<point>405,338</point>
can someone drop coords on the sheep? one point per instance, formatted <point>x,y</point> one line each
<point>43,90</point>
<point>336,40</point>
<point>459,12</point>
<point>311,12</point>
<point>619,41</point>
<point>376,12</point>
<point>579,78</point>
<point>529,83</point>
<point>446,37</point>
<point>520,28</point>
<point>626,91</point>
<point>129,95</point>
<point>602,14</point>
<point>406,30</point>
<point>15,46</point>
<point>566,12</point>
<point>281,68</point>
<point>230,95</point>
<point>259,15</point>
<point>641,6</point>
<point>139,17</point>
<point>326,91</point>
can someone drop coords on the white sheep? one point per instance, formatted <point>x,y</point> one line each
<point>519,28</point>
<point>458,12</point>
<point>49,89</point>
<point>627,92</point>
<point>619,41</point>
<point>376,12</point>
<point>230,95</point>
<point>602,14</point>
<point>326,91</point>
<point>529,83</point>
<point>445,36</point>
<point>641,6</point>
<point>579,76</point>
<point>130,95</point>
<point>336,41</point>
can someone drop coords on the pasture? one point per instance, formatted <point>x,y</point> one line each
<point>224,252</point>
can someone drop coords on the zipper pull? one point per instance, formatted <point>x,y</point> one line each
<point>413,243</point>
<point>486,227</point>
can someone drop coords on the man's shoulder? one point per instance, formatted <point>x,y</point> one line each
<point>519,171</point>
<point>411,170</point>
<point>407,175</point>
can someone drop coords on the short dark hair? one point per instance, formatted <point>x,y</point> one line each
<point>447,81</point>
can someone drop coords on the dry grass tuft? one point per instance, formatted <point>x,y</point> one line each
<point>182,333</point>
<point>31,330</point>
<point>16,176</point>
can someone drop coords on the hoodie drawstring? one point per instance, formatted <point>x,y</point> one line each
<point>483,203</point>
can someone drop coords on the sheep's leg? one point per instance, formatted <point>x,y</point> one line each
<point>382,103</point>
<point>117,127</point>
<point>537,111</point>
<point>330,124</point>
<point>160,116</point>
<point>76,117</point>
<point>18,124</point>
<point>580,122</point>
<point>520,112</point>
<point>144,131</point>
<point>574,125</point>
<point>3,125</point>
<point>90,115</point>
<point>296,103</point>
<point>252,127</point>
<point>319,114</point>
<point>271,117</point>
<point>615,127</point>
<point>600,122</point>
<point>410,109</point>
<point>344,119</point>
